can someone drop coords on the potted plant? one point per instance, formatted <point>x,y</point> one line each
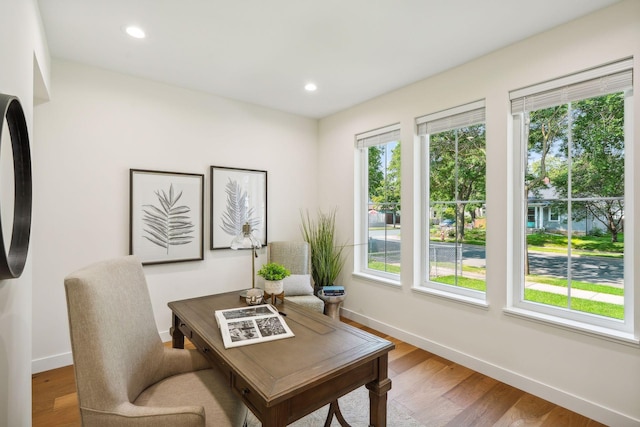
<point>273,274</point>
<point>326,256</point>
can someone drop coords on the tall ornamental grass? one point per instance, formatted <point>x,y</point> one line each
<point>326,256</point>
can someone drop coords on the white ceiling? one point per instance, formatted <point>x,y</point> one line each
<point>264,51</point>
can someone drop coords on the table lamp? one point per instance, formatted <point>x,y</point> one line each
<point>246,240</point>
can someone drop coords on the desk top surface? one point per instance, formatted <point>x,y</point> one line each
<point>322,348</point>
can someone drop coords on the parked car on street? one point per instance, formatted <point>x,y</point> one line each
<point>447,223</point>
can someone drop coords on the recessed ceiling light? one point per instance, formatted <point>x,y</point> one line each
<point>310,87</point>
<point>135,32</point>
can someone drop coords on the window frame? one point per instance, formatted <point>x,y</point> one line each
<point>363,141</point>
<point>621,330</point>
<point>475,111</point>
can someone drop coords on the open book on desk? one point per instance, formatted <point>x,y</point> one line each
<point>250,325</point>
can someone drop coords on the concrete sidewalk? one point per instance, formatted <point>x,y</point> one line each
<point>577,293</point>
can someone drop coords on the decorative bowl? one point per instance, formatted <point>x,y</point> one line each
<point>254,296</point>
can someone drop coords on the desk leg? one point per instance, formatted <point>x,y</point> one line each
<point>378,394</point>
<point>177,337</point>
<point>276,416</point>
<point>334,409</point>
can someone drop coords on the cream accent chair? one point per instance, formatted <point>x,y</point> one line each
<point>125,376</point>
<point>298,288</point>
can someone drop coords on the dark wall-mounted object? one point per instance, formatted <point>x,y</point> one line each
<point>12,262</point>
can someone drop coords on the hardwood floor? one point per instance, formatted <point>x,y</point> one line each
<point>436,391</point>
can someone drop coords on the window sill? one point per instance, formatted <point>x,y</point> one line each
<point>474,302</point>
<point>377,279</point>
<point>613,335</point>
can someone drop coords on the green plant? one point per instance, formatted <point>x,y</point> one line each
<point>273,271</point>
<point>326,256</point>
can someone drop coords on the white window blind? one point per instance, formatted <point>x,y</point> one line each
<point>453,118</point>
<point>610,78</point>
<point>378,136</point>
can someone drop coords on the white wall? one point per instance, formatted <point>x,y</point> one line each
<point>96,127</point>
<point>596,377</point>
<point>22,45</point>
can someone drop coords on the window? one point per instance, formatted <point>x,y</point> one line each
<point>531,217</point>
<point>454,176</point>
<point>573,156</point>
<point>378,208</point>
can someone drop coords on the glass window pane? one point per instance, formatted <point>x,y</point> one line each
<point>383,209</point>
<point>457,222</point>
<point>575,206</point>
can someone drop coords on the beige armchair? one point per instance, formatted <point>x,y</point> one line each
<point>125,376</point>
<point>298,288</point>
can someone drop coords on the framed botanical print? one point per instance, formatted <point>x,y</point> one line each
<point>238,197</point>
<point>166,212</point>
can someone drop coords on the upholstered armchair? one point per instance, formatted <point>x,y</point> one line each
<point>125,375</point>
<point>296,257</point>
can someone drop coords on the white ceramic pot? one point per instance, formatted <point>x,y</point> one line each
<point>274,287</point>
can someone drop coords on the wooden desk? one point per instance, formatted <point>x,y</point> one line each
<point>284,380</point>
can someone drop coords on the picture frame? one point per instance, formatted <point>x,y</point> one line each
<point>166,216</point>
<point>238,196</point>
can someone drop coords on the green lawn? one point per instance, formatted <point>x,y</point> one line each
<point>585,286</point>
<point>380,266</point>
<point>580,245</point>
<point>588,306</point>
<point>463,282</point>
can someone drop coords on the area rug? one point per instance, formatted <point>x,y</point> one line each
<point>355,409</point>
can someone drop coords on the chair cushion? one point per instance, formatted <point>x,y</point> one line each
<point>310,302</point>
<point>298,284</point>
<point>196,388</point>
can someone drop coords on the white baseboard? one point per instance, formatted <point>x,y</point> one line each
<point>559,397</point>
<point>51,362</point>
<point>165,336</point>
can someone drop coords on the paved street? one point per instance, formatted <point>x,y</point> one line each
<point>593,269</point>
<point>603,270</point>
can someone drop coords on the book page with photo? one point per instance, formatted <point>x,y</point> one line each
<point>250,325</point>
